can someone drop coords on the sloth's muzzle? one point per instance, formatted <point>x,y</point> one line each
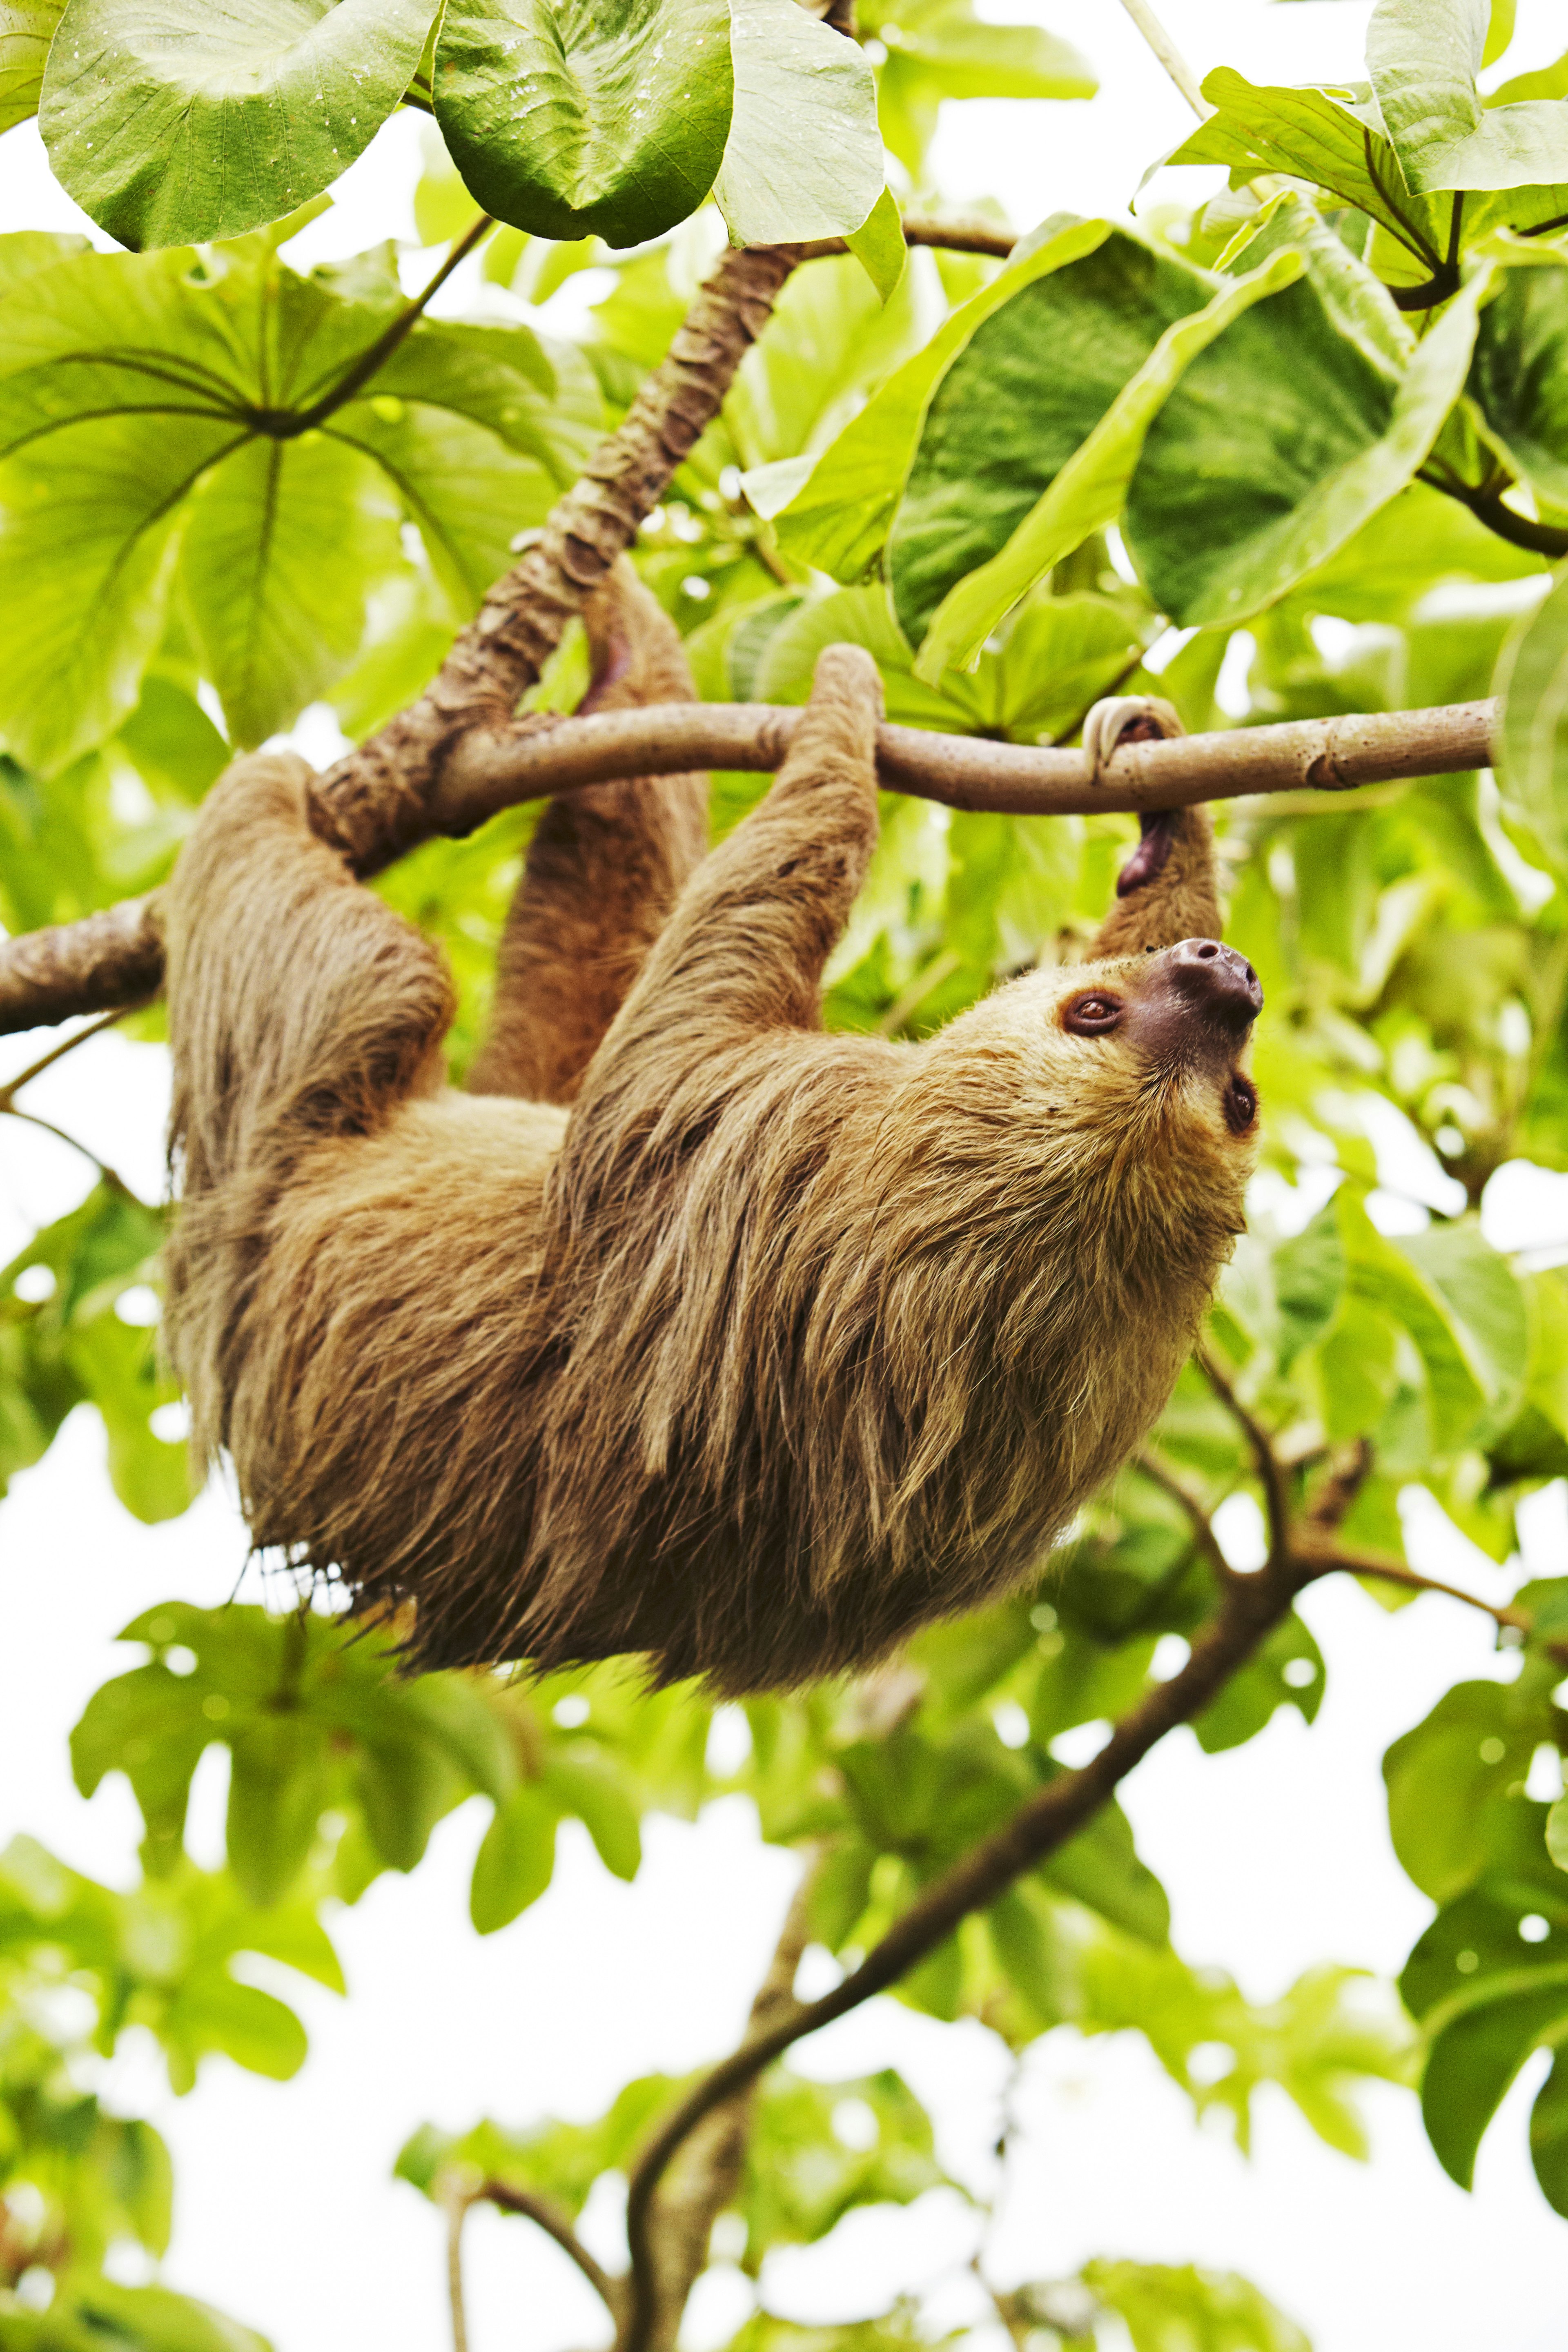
<point>1217,983</point>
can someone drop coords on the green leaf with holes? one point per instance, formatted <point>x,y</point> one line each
<point>178,122</point>
<point>1423,57</point>
<point>594,117</point>
<point>1281,440</point>
<point>805,156</point>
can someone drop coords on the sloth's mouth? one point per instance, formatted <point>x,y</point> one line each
<point>1240,1102</point>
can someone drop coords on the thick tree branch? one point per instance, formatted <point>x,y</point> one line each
<point>115,959</point>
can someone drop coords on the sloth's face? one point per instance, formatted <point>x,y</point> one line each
<point>1185,1013</point>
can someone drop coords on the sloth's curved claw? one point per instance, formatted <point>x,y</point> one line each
<point>1125,719</point>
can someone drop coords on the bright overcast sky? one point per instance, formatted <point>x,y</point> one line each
<point>1276,1855</point>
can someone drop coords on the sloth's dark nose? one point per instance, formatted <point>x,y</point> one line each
<point>1216,983</point>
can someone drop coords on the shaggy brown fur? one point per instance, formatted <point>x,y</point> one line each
<point>778,1346</point>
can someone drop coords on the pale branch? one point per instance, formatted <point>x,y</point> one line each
<point>1251,1607</point>
<point>1170,56</point>
<point>455,2201</point>
<point>1269,1474</point>
<point>548,2216</point>
<point>115,959</point>
<point>13,1087</point>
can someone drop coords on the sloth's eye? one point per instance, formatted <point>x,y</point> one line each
<point>1090,1016</point>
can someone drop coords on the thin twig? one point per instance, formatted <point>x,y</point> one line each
<point>1170,56</point>
<point>1268,1474</point>
<point>13,1087</point>
<point>457,2200</point>
<point>548,2216</point>
<point>1352,1562</point>
<point>31,1119</point>
<point>1154,1470</point>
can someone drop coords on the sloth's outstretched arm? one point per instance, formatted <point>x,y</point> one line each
<point>745,947</point>
<point>604,868</point>
<point>1166,891</point>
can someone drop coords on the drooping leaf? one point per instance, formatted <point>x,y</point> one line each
<point>176,123</point>
<point>1423,57</point>
<point>837,518</point>
<point>1091,486</point>
<point>1031,384</point>
<point>1281,439</point>
<point>586,119</point>
<point>26,29</point>
<point>805,156</point>
<point>515,1860</point>
<point>878,244</point>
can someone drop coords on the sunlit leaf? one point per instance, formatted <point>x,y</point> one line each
<point>26,29</point>
<point>1533,676</point>
<point>608,120</point>
<point>804,157</point>
<point>1423,57</point>
<point>515,1860</point>
<point>173,123</point>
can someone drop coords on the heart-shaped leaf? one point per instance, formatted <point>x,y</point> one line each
<point>170,121</point>
<point>804,154</point>
<point>593,116</point>
<point>1423,57</point>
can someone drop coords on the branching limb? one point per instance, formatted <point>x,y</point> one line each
<point>116,957</point>
<point>548,2216</point>
<point>1154,1470</point>
<point>1270,1477</point>
<point>1251,1607</point>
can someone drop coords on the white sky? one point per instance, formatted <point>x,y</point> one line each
<point>1276,1856</point>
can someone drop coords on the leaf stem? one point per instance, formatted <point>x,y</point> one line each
<point>288,427</point>
<point>1170,56</point>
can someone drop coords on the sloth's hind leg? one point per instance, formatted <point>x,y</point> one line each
<point>604,868</point>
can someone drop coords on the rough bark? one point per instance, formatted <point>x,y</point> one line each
<point>374,802</point>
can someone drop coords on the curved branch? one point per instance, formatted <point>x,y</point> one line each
<point>1251,1608</point>
<point>116,957</point>
<point>548,2216</point>
<point>1257,1437</point>
<point>1546,538</point>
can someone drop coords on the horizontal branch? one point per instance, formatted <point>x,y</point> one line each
<point>115,959</point>
<point>492,770</point>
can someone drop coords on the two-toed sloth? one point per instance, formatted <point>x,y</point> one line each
<point>692,1330</point>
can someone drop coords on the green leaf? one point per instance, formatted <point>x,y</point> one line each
<point>1281,439</point>
<point>515,1861</point>
<point>940,49</point>
<point>466,491</point>
<point>278,1787</point>
<point>1164,2309</point>
<point>1306,135</point>
<point>211,2013</point>
<point>286,543</point>
<point>1549,2135</point>
<point>1286,1670</point>
<point>1519,372</point>
<point>405,1786</point>
<point>182,123</point>
<point>605,117</point>
<point>1100,1868</point>
<point>140,2319</point>
<point>26,29</point>
<point>839,519</point>
<point>589,1786</point>
<point>1442,1776</point>
<point>1034,379</point>
<point>1423,57</point>
<point>805,156</point>
<point>1533,680</point>
<point>1091,488</point>
<point>816,2151</point>
<point>878,244</point>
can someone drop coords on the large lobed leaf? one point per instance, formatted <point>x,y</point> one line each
<point>171,121</point>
